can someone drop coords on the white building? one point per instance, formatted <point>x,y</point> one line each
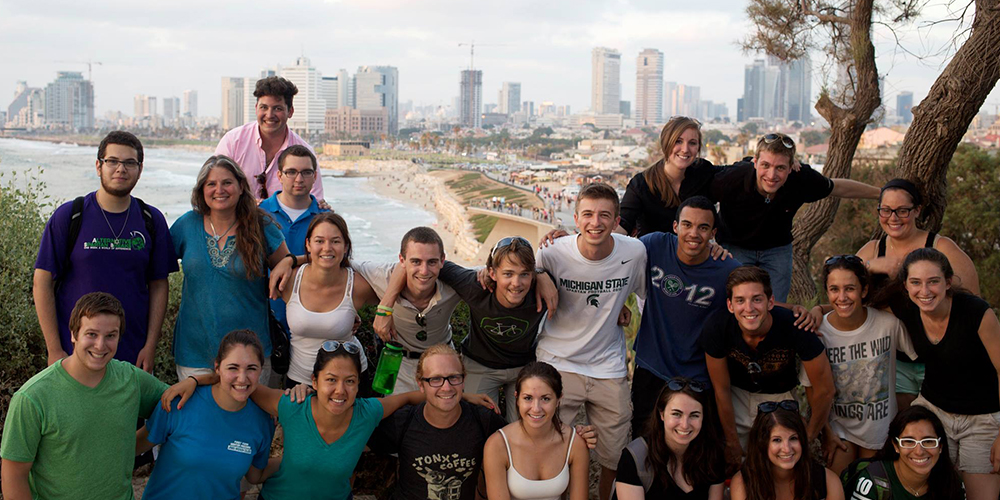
<point>606,90</point>
<point>171,110</point>
<point>377,87</point>
<point>69,101</point>
<point>509,101</point>
<point>310,107</point>
<point>233,106</point>
<point>191,103</point>
<point>649,87</point>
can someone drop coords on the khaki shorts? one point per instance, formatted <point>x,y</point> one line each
<point>608,406</point>
<point>745,409</point>
<point>406,380</point>
<point>486,380</point>
<point>970,437</point>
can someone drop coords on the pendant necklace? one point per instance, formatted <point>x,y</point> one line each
<point>215,236</point>
<point>127,213</point>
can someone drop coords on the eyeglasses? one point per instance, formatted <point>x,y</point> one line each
<point>453,380</point>
<point>848,258</point>
<point>925,443</point>
<point>262,181</point>
<point>678,384</point>
<point>510,240</point>
<point>770,406</point>
<point>306,174</point>
<point>785,140</point>
<point>114,163</point>
<point>901,212</point>
<point>333,345</point>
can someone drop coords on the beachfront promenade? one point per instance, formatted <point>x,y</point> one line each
<point>509,224</point>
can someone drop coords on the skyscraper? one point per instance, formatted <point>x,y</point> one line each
<point>605,86</point>
<point>310,107</point>
<point>796,78</point>
<point>760,90</point>
<point>377,87</point>
<point>904,106</point>
<point>649,87</point>
<point>191,103</point>
<point>69,101</point>
<point>27,108</point>
<point>510,98</point>
<point>670,107</point>
<point>330,89</point>
<point>471,98</point>
<point>232,102</point>
<point>171,110</point>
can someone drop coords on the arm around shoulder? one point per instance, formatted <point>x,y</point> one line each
<point>847,188</point>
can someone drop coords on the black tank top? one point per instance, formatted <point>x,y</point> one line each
<point>878,281</point>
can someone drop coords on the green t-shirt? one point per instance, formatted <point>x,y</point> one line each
<point>80,440</point>
<point>861,485</point>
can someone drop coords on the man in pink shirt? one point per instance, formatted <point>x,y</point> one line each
<point>256,145</point>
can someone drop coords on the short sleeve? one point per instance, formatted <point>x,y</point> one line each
<point>496,422</point>
<point>377,275</point>
<point>177,234</point>
<point>639,276</point>
<point>713,334</point>
<point>627,472</point>
<point>52,247</point>
<point>386,437</point>
<point>162,424</point>
<point>812,185</point>
<point>807,345</point>
<point>902,339</point>
<point>163,258</point>
<point>273,235</point>
<point>286,407</point>
<point>225,146</point>
<point>267,435</point>
<point>541,258</point>
<point>22,430</point>
<point>371,411</point>
<point>150,390</point>
<point>462,279</point>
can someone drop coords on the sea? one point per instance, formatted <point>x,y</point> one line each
<point>376,223</point>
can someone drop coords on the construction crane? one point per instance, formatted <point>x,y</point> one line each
<point>90,66</point>
<point>472,50</point>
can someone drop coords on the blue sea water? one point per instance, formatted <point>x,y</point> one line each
<point>376,223</point>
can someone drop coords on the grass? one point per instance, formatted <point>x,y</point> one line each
<point>474,186</point>
<point>482,225</point>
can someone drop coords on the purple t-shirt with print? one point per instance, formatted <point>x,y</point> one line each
<point>114,253</point>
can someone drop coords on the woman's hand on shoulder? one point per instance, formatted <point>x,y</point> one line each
<point>589,435</point>
<point>481,400</point>
<point>299,393</point>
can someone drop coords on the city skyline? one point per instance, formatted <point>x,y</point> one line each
<point>548,52</point>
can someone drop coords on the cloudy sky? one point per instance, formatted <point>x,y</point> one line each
<point>162,48</point>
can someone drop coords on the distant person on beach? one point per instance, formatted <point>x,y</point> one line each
<point>420,315</point>
<point>107,241</point>
<point>294,207</point>
<point>256,146</point>
<point>594,271</point>
<point>70,429</point>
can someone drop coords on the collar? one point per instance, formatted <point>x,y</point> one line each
<point>271,204</point>
<point>750,185</point>
<point>260,141</point>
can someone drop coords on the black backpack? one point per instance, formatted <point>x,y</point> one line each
<point>876,470</point>
<point>76,222</point>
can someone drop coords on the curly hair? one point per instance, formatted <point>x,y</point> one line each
<point>276,86</point>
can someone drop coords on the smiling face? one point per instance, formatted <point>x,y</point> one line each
<point>685,150</point>
<point>337,385</point>
<point>272,114</point>
<point>784,447</point>
<point>326,246</point>
<point>238,372</point>
<point>447,397</point>
<point>694,231</point>
<point>536,402</point>
<point>119,181</point>
<point>513,281</point>
<point>926,285</point>
<point>96,342</point>
<point>293,175</point>
<point>772,171</point>
<point>895,226</point>
<point>595,219</point>
<point>221,190</point>
<point>682,419</point>
<point>919,460</point>
<point>844,290</point>
<point>422,264</point>
<point>750,306</point>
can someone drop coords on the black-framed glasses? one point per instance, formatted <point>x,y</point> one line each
<point>510,240</point>
<point>333,345</point>
<point>925,443</point>
<point>262,182</point>
<point>114,163</point>
<point>786,141</point>
<point>901,212</point>
<point>453,380</point>
<point>848,258</point>
<point>306,174</point>
<point>769,406</point>
<point>678,384</point>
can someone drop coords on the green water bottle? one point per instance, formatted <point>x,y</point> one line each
<point>388,367</point>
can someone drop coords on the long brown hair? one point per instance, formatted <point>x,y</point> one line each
<point>756,470</point>
<point>655,177</point>
<point>250,219</point>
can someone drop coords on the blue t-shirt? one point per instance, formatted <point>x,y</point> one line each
<point>679,298</point>
<point>295,237</point>
<point>206,450</point>
<point>311,468</point>
<point>217,298</point>
<point>99,262</point>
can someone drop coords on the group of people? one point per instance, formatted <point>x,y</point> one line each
<point>718,351</point>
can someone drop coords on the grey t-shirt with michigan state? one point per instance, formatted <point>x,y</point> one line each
<point>500,337</point>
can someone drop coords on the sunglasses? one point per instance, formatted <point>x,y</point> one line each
<point>770,406</point>
<point>848,258</point>
<point>510,240</point>
<point>678,384</point>
<point>785,140</point>
<point>333,345</point>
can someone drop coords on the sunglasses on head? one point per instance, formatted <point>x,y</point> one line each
<point>769,406</point>
<point>678,384</point>
<point>333,345</point>
<point>848,258</point>
<point>510,240</point>
<point>785,140</point>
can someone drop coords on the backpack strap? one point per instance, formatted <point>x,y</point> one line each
<point>876,472</point>
<point>75,223</point>
<point>639,451</point>
<point>147,218</point>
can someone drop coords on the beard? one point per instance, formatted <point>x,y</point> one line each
<point>119,192</point>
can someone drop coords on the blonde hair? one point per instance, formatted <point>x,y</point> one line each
<point>433,350</point>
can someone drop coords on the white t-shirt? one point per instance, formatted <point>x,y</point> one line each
<point>583,336</point>
<point>293,213</point>
<point>864,374</point>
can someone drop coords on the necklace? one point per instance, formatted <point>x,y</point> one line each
<point>913,491</point>
<point>216,236</point>
<point>127,213</point>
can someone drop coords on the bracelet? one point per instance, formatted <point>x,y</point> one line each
<point>192,377</point>
<point>382,313</point>
<point>384,308</point>
<point>295,261</point>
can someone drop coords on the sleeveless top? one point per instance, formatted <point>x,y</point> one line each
<point>543,489</point>
<point>310,329</point>
<point>877,281</point>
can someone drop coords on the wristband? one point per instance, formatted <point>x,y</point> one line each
<point>192,377</point>
<point>295,261</point>
<point>384,308</point>
<point>382,313</point>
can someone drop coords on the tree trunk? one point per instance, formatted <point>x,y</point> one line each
<point>942,118</point>
<point>846,127</point>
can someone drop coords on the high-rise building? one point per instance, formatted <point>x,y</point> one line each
<point>69,101</point>
<point>649,87</point>
<point>760,90</point>
<point>349,122</point>
<point>232,103</point>
<point>330,89</point>
<point>529,108</point>
<point>377,87</point>
<point>510,98</point>
<point>310,107</point>
<point>775,89</point>
<point>171,110</point>
<point>191,103</point>
<point>625,108</point>
<point>471,98</point>
<point>904,106</point>
<point>796,81</point>
<point>145,106</point>
<point>249,100</point>
<point>605,85</point>
<point>27,108</point>
<point>670,107</point>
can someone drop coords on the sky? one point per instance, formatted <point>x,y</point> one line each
<point>162,48</point>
